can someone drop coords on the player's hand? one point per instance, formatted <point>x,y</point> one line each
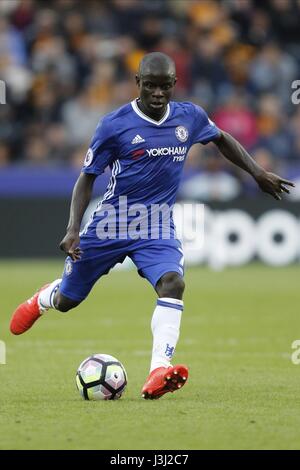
<point>70,245</point>
<point>273,184</point>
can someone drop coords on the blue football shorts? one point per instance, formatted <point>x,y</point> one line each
<point>153,259</point>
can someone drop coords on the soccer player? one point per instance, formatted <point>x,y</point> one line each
<point>145,144</point>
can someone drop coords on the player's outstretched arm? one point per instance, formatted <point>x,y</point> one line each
<point>235,152</point>
<point>81,197</point>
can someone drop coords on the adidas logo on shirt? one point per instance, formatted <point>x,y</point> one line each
<point>137,140</point>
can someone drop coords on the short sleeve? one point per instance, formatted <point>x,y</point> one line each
<point>102,149</point>
<point>205,130</point>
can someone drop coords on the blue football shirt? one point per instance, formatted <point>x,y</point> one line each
<point>146,157</point>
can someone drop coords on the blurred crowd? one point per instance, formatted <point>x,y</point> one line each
<point>68,62</point>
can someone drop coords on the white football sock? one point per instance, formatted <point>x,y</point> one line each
<point>46,296</point>
<point>165,327</point>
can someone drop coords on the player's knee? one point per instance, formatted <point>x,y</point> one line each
<point>63,304</point>
<point>171,285</point>
<point>62,307</point>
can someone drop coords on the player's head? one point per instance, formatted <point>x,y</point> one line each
<point>156,79</point>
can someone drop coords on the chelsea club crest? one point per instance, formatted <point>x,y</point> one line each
<point>181,133</point>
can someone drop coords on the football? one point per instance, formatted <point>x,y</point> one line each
<point>101,377</point>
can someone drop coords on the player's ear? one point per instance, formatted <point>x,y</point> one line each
<point>175,80</point>
<point>137,80</point>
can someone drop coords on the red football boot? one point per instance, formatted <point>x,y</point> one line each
<point>163,380</point>
<point>26,314</point>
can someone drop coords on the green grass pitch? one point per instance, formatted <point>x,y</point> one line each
<point>236,336</point>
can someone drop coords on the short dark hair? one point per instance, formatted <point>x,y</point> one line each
<point>157,62</point>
